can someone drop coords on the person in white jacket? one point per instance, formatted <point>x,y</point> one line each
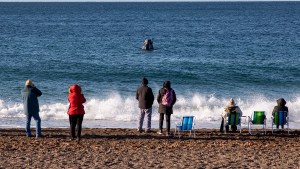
<point>230,107</point>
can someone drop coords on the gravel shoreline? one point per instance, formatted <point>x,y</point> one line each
<point>126,148</point>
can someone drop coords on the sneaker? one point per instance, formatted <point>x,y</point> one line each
<point>159,132</point>
<point>139,130</point>
<point>168,134</point>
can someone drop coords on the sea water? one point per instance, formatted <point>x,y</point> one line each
<point>210,51</point>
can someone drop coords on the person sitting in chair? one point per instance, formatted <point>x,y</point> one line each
<point>230,108</point>
<point>280,107</point>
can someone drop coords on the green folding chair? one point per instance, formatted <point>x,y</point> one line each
<point>280,118</point>
<point>234,119</point>
<point>257,118</point>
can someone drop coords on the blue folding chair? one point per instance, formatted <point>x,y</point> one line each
<point>280,118</point>
<point>187,124</point>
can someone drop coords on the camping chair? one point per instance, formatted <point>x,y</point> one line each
<point>234,119</point>
<point>258,118</point>
<point>187,124</point>
<point>280,118</point>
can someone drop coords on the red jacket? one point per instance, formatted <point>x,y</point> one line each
<point>76,100</point>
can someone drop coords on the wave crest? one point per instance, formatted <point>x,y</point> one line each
<point>206,109</point>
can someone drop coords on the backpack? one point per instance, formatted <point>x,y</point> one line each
<point>167,99</point>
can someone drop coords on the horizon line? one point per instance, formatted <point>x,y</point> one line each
<point>149,1</point>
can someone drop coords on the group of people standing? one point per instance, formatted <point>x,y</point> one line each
<point>30,93</point>
<point>166,99</point>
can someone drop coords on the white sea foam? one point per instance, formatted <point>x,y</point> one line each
<point>118,110</point>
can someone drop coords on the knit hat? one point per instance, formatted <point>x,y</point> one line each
<point>231,102</point>
<point>145,81</point>
<point>28,82</point>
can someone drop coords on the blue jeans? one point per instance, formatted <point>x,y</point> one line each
<point>148,113</point>
<point>37,119</point>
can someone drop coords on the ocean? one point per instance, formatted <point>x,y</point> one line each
<point>210,51</point>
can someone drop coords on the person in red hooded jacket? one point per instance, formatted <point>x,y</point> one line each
<point>76,110</point>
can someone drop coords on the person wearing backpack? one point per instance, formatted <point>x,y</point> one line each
<point>145,97</point>
<point>166,99</point>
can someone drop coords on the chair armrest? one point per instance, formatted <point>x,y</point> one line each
<point>249,119</point>
<point>242,117</point>
<point>178,123</point>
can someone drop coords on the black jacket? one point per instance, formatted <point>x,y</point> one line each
<point>145,97</point>
<point>162,108</point>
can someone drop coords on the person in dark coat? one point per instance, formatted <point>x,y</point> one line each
<point>76,110</point>
<point>31,107</point>
<point>164,109</point>
<point>280,107</point>
<point>145,97</point>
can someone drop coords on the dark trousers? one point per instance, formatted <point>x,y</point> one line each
<point>233,127</point>
<point>168,121</point>
<point>282,126</point>
<point>76,120</point>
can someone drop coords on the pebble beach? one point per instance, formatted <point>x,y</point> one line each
<point>127,148</point>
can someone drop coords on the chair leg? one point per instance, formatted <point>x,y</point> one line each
<point>249,128</point>
<point>175,132</point>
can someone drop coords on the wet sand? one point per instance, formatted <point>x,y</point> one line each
<point>126,148</point>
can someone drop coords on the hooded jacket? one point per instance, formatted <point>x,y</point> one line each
<point>280,106</point>
<point>29,95</point>
<point>76,100</point>
<point>162,108</point>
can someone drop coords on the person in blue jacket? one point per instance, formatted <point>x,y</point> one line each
<point>31,107</point>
